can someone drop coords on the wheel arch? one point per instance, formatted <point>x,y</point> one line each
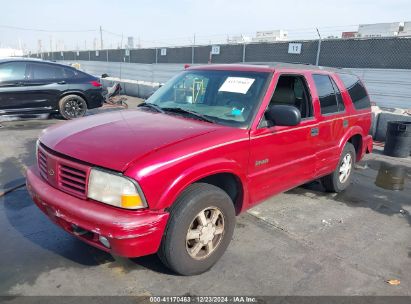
<point>357,141</point>
<point>227,176</point>
<point>230,184</point>
<point>78,93</point>
<point>355,137</point>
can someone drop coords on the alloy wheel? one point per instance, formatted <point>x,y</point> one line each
<point>205,233</point>
<point>345,168</point>
<point>74,108</point>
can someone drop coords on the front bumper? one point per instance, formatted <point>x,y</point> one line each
<point>95,98</point>
<point>130,233</point>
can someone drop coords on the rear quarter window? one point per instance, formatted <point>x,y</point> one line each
<point>70,73</point>
<point>326,94</point>
<point>80,74</point>
<point>356,90</point>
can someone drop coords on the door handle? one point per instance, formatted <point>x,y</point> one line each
<point>18,83</point>
<point>61,82</point>
<point>315,131</point>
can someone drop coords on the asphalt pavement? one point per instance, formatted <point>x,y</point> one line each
<point>302,242</point>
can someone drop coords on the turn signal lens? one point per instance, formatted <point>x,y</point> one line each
<point>131,201</point>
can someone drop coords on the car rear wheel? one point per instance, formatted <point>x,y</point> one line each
<point>72,106</point>
<point>340,179</point>
<point>199,230</point>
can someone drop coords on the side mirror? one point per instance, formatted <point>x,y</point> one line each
<point>283,115</point>
<point>104,75</point>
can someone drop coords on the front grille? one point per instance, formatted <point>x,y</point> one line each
<point>42,162</point>
<point>72,180</point>
<point>63,173</point>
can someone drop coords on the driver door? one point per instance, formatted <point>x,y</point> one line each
<point>283,157</point>
<point>13,94</point>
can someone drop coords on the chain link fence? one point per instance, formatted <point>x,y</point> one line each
<point>384,53</point>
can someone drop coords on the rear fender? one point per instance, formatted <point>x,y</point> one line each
<point>354,130</point>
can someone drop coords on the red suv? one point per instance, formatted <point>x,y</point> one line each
<point>170,176</point>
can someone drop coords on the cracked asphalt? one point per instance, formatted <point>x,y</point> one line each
<point>302,242</point>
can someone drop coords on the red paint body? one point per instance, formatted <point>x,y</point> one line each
<point>166,153</point>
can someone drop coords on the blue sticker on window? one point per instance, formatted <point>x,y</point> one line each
<point>236,112</point>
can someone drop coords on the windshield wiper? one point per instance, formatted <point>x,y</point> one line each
<point>191,113</point>
<point>151,106</point>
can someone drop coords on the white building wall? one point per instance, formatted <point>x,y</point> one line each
<point>9,52</point>
<point>379,29</point>
<point>407,29</point>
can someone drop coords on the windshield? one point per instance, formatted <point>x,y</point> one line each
<point>224,97</point>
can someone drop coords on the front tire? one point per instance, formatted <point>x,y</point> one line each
<point>72,106</point>
<point>340,179</point>
<point>199,230</point>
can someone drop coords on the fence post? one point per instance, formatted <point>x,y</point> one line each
<point>192,49</point>
<point>156,55</point>
<point>89,57</point>
<point>244,52</point>
<point>317,60</point>
<point>107,55</point>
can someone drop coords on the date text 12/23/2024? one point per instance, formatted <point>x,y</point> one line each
<point>203,299</point>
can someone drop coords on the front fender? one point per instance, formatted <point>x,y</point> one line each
<point>198,172</point>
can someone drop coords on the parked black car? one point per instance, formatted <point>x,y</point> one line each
<point>29,86</point>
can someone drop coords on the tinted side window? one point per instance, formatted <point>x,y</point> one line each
<point>356,90</point>
<point>12,71</point>
<point>80,74</point>
<point>70,73</point>
<point>46,71</point>
<point>325,89</point>
<point>341,106</point>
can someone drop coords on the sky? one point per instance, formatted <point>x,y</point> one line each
<point>75,23</point>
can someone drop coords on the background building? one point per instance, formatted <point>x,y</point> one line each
<point>8,52</point>
<point>347,35</point>
<point>271,36</point>
<point>130,42</point>
<point>406,30</point>
<point>379,30</point>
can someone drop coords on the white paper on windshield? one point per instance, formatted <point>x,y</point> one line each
<point>236,85</point>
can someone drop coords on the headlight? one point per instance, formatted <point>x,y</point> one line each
<point>114,190</point>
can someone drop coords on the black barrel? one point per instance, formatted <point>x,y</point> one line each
<point>398,139</point>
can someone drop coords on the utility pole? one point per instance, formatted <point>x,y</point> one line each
<point>101,38</point>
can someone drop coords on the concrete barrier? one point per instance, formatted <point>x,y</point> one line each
<point>382,121</point>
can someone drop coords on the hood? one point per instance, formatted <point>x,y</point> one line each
<point>114,140</point>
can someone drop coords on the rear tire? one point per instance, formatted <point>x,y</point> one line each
<point>199,229</point>
<point>72,106</point>
<point>340,179</point>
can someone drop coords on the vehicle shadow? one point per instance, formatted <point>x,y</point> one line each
<point>153,263</point>
<point>378,185</point>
